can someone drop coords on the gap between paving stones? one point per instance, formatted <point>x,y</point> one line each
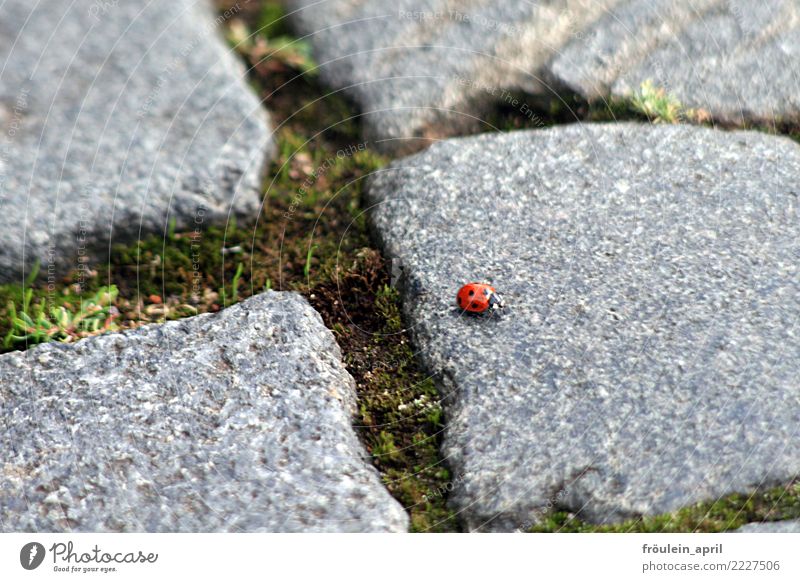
<point>655,107</point>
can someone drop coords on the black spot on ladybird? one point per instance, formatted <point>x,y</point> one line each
<point>471,293</point>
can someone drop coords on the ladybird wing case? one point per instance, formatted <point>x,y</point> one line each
<point>474,297</point>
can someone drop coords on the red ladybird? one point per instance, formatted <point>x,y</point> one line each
<point>479,298</point>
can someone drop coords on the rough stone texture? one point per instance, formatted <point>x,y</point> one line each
<point>736,59</point>
<point>237,421</point>
<point>650,354</point>
<point>424,69</point>
<point>771,527</point>
<point>114,118</point>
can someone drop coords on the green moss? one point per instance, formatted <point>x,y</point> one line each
<point>727,513</point>
<point>400,414</point>
<point>272,21</point>
<point>401,419</point>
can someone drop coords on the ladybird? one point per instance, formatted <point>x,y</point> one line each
<point>479,298</point>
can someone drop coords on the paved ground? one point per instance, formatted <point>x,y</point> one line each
<point>237,421</point>
<point>114,121</point>
<point>649,354</point>
<point>648,357</point>
<point>421,70</point>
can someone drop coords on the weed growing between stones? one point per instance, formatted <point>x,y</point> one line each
<point>657,105</point>
<point>724,514</point>
<point>74,318</point>
<point>649,104</point>
<point>273,44</point>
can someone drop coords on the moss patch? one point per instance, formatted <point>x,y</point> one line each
<point>727,513</point>
<point>400,416</point>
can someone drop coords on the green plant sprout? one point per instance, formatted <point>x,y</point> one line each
<point>234,286</point>
<point>271,43</point>
<point>32,325</point>
<point>655,103</point>
<point>309,256</point>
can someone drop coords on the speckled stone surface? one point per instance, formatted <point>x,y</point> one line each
<point>738,60</point>
<point>421,70</point>
<point>771,527</point>
<point>236,421</point>
<point>114,118</point>
<point>649,357</point>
